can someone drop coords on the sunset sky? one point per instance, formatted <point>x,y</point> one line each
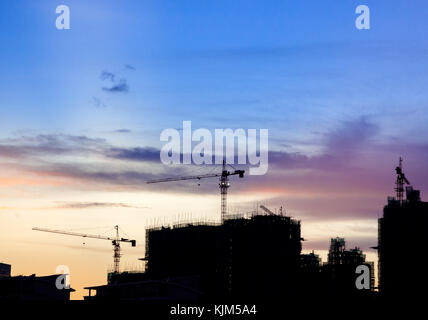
<point>81,112</point>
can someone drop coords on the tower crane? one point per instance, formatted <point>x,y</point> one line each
<point>223,185</point>
<point>401,180</point>
<point>115,241</point>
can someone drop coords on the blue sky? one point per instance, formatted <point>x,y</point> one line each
<point>291,64</point>
<point>81,111</point>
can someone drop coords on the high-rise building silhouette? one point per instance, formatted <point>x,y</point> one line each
<point>402,241</point>
<point>256,257</point>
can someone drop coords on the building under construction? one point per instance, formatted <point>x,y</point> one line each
<point>243,257</point>
<point>337,277</point>
<point>255,258</point>
<point>402,241</point>
<point>340,270</point>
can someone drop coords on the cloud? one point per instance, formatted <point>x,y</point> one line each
<point>118,85</point>
<point>99,176</point>
<point>122,86</point>
<point>106,75</point>
<point>340,146</point>
<point>135,154</point>
<point>85,205</point>
<point>11,151</point>
<point>350,178</point>
<point>363,242</point>
<point>123,131</point>
<point>97,102</point>
<point>49,144</point>
<point>49,156</point>
<point>129,67</point>
<point>351,137</point>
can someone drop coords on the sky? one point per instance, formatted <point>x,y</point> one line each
<point>81,112</point>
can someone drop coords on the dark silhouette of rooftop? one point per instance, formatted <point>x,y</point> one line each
<point>32,288</point>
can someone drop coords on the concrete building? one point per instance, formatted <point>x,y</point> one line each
<point>402,242</point>
<point>32,288</point>
<point>257,257</point>
<point>5,270</point>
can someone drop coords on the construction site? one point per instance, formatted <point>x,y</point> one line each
<point>259,256</point>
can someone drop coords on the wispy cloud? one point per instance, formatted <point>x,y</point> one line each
<point>117,84</point>
<point>340,146</point>
<point>86,205</point>
<point>97,102</point>
<point>123,131</point>
<point>49,144</point>
<point>122,86</point>
<point>129,67</point>
<point>135,154</point>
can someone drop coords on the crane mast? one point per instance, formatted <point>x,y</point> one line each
<point>401,180</point>
<point>114,240</point>
<point>224,185</point>
<point>116,251</point>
